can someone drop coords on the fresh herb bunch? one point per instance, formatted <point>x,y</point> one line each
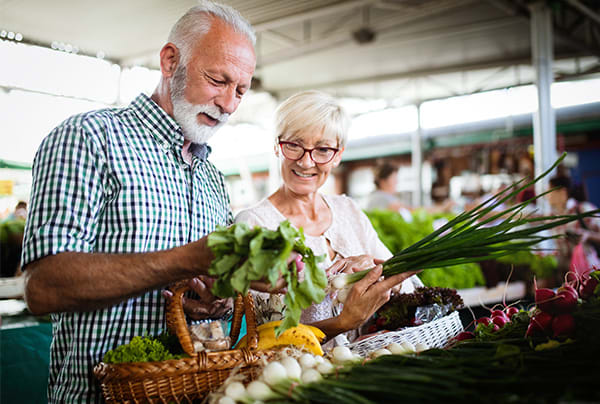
<point>146,349</point>
<point>244,254</point>
<point>399,311</point>
<point>472,237</point>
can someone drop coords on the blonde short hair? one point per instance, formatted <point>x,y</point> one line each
<point>312,109</point>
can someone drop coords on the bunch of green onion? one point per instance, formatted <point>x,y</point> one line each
<point>472,236</point>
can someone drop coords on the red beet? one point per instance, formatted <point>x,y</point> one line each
<point>544,298</point>
<point>587,287</point>
<point>563,325</point>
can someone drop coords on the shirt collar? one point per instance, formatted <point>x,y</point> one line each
<point>164,128</point>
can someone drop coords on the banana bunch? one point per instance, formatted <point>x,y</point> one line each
<point>302,335</point>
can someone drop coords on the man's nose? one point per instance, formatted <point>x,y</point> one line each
<point>227,100</point>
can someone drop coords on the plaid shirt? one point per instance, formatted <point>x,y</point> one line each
<point>114,181</point>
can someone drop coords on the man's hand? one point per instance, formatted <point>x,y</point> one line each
<point>207,305</point>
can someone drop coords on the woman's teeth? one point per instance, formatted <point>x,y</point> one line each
<point>303,175</point>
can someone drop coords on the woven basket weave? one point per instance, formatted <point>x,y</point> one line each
<point>436,334</point>
<point>187,379</point>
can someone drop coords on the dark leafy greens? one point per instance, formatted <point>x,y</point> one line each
<point>244,254</point>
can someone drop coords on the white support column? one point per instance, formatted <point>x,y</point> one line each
<point>544,120</point>
<point>417,161</point>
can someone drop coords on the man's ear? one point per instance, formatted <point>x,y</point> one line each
<point>169,59</point>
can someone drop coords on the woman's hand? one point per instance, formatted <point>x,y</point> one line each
<point>367,296</point>
<point>352,264</point>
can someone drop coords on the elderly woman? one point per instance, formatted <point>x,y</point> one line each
<point>311,131</point>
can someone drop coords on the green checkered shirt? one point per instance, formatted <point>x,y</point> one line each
<point>114,181</point>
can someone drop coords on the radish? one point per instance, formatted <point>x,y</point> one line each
<point>587,287</point>
<point>563,325</point>
<point>544,298</point>
<point>465,335</point>
<point>484,320</point>
<point>299,263</point>
<point>500,321</point>
<point>543,321</point>
<point>532,330</point>
<point>499,313</point>
<point>511,311</point>
<point>566,300</point>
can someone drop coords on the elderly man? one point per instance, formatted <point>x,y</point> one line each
<point>122,200</point>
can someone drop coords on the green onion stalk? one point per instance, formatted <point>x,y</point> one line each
<point>472,236</point>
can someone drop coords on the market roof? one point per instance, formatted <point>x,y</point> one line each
<point>402,50</point>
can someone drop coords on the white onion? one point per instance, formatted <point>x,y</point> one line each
<point>311,375</point>
<point>381,352</point>
<point>408,346</point>
<point>226,400</point>
<point>274,372</point>
<point>420,347</point>
<point>339,281</point>
<point>325,368</point>
<point>236,391</point>
<point>319,359</point>
<point>259,390</point>
<point>292,368</point>
<point>343,293</point>
<point>307,361</point>
<point>342,354</point>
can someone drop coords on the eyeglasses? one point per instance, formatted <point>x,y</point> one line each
<point>320,155</point>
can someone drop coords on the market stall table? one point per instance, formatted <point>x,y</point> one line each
<point>24,354</point>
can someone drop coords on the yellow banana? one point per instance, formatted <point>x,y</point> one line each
<point>318,333</point>
<point>301,336</point>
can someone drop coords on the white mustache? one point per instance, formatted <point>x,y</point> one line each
<point>211,111</point>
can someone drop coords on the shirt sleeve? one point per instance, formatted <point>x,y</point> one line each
<point>66,197</point>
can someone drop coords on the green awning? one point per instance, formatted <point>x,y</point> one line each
<point>14,165</point>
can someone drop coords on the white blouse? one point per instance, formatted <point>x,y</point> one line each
<point>350,234</point>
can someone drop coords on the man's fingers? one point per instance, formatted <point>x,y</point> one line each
<point>201,289</point>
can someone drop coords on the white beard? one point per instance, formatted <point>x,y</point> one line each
<point>186,113</point>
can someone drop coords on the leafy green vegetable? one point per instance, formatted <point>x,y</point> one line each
<point>398,234</point>
<point>244,254</point>
<point>142,349</point>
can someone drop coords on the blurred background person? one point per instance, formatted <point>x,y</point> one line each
<point>385,197</point>
<point>578,251</point>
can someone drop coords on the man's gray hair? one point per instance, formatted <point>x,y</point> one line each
<point>197,21</point>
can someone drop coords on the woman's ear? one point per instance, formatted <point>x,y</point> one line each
<point>338,158</point>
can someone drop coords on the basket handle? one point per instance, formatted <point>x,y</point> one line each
<point>177,324</point>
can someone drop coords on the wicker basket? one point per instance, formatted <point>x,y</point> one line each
<point>187,379</point>
<point>436,334</point>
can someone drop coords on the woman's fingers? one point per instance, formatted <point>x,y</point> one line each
<point>390,282</point>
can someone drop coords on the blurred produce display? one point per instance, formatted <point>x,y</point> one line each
<point>397,233</point>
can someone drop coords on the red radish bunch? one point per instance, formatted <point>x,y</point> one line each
<point>553,314</point>
<point>498,318</point>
